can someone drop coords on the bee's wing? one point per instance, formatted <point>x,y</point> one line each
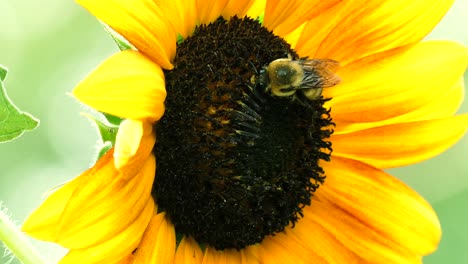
<point>319,73</point>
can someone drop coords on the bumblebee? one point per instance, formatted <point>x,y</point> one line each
<point>284,77</point>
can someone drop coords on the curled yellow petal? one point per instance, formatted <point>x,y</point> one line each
<point>142,23</point>
<point>134,143</point>
<point>127,85</point>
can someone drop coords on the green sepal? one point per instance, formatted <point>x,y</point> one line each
<point>114,120</point>
<point>104,149</point>
<point>260,18</point>
<point>3,72</point>
<point>13,122</point>
<point>119,40</point>
<point>107,132</point>
<point>180,39</point>
<point>179,237</point>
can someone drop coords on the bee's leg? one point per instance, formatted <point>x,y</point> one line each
<point>301,99</point>
<point>254,69</point>
<point>260,77</point>
<point>256,96</point>
<point>313,93</point>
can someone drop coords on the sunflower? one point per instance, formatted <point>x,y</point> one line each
<point>211,166</point>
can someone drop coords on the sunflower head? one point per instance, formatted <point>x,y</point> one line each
<point>228,151</point>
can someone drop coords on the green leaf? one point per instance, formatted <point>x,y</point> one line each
<point>119,40</point>
<point>13,122</point>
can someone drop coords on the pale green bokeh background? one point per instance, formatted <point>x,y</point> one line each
<point>50,45</point>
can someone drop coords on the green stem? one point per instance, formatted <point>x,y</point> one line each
<point>17,242</point>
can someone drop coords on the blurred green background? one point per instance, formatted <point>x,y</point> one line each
<point>50,45</point>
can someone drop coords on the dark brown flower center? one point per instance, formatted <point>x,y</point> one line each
<point>234,163</point>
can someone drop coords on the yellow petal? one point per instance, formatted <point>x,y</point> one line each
<point>105,205</point>
<point>237,8</point>
<point>181,14</point>
<point>229,256</point>
<point>213,256</point>
<point>393,223</point>
<point>188,252</point>
<point>142,23</point>
<point>321,242</point>
<point>127,85</point>
<point>281,248</point>
<point>400,144</point>
<point>284,16</point>
<point>250,255</point>
<point>134,143</point>
<point>232,256</point>
<point>158,243</point>
<point>351,30</point>
<point>293,37</point>
<point>392,83</point>
<point>257,8</point>
<point>43,223</point>
<point>444,106</point>
<point>209,10</point>
<point>366,243</point>
<point>117,249</point>
<point>277,11</point>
